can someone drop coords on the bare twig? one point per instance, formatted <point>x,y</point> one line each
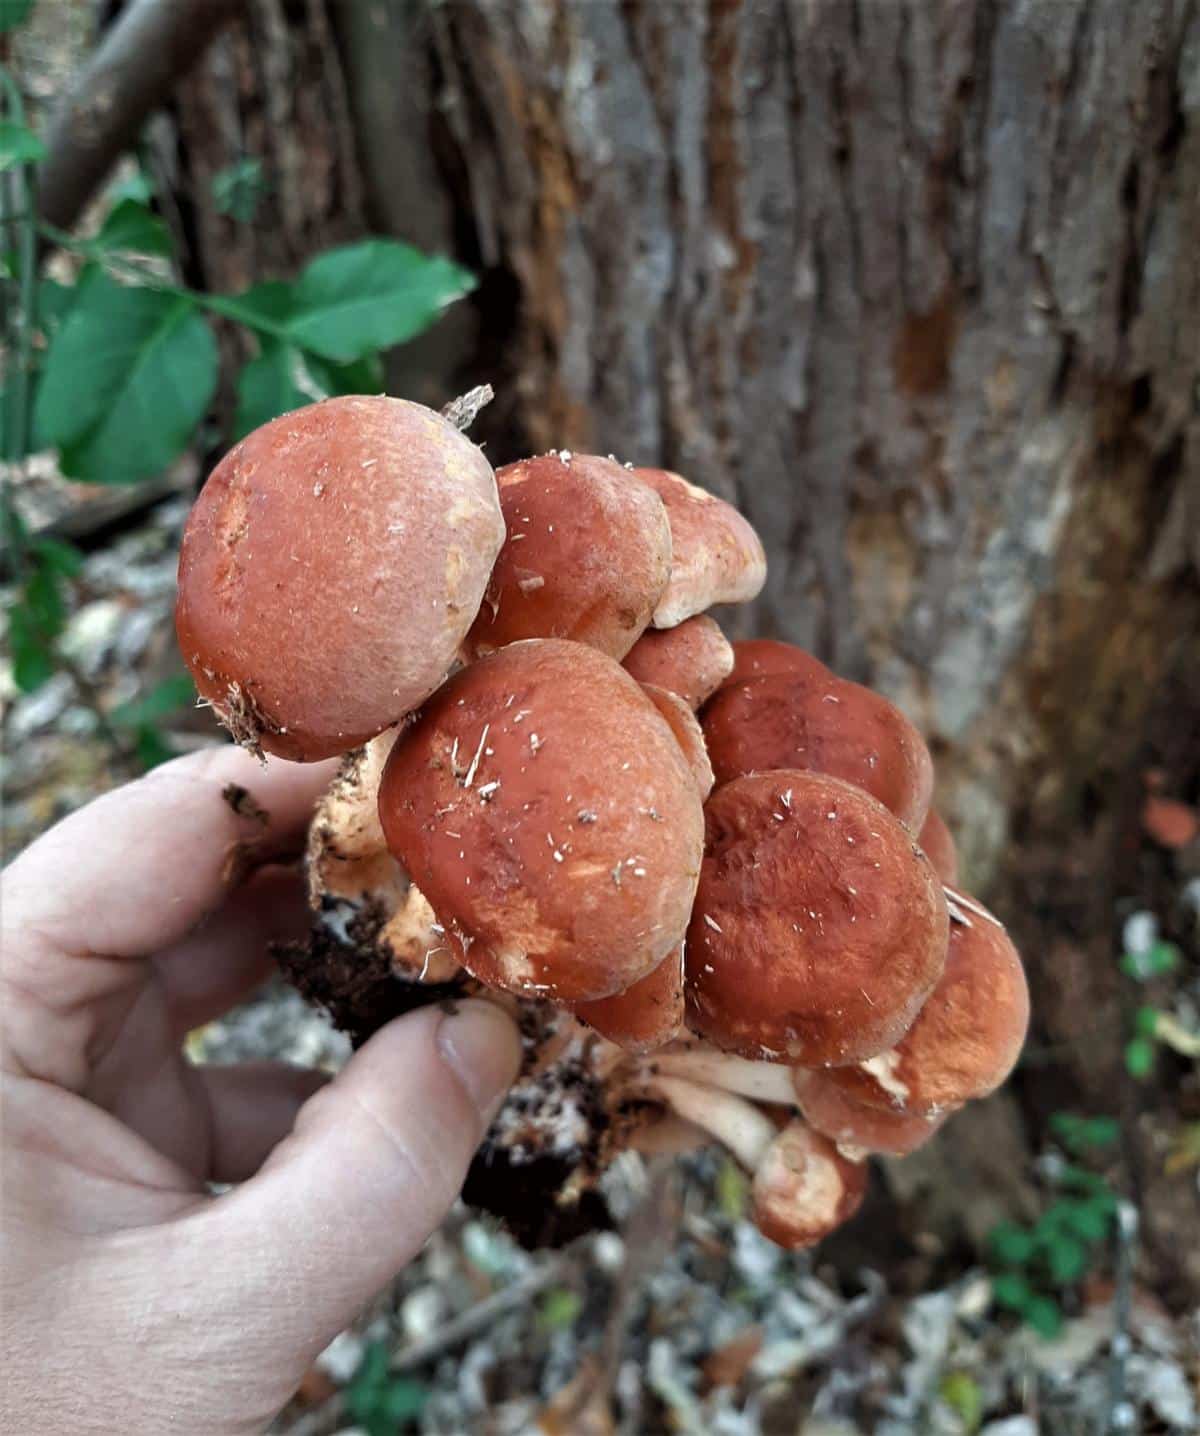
<point>138,63</point>
<point>454,1332</point>
<point>463,411</point>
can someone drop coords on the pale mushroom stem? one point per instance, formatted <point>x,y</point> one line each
<point>762,1081</point>
<point>733,1121</point>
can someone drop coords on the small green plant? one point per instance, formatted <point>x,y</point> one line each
<point>381,1403</point>
<point>559,1308</point>
<point>962,1393</point>
<point>1035,1264</point>
<point>117,370</point>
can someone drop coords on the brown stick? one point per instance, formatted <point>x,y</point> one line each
<point>137,65</point>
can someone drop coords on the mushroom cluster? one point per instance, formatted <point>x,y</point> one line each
<point>704,877</point>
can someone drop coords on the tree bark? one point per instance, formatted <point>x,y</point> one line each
<point>915,284</point>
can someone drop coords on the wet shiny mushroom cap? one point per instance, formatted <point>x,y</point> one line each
<point>329,570</point>
<point>819,928</point>
<point>587,556</point>
<point>545,809</point>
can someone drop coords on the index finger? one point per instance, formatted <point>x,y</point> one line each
<point>135,870</point>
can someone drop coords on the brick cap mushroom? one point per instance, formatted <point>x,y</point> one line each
<point>329,570</point>
<point>825,724</point>
<point>857,1130</point>
<point>758,657</point>
<point>587,557</point>
<point>688,734</point>
<point>937,843</point>
<point>718,558</point>
<point>819,928</point>
<point>646,1015</point>
<point>693,659</point>
<point>545,808</point>
<point>967,1037</point>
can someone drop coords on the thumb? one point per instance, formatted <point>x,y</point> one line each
<point>372,1166</point>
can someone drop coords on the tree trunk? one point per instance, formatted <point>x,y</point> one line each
<point>917,285</point>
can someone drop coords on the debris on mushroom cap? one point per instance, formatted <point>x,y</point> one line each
<point>688,734</point>
<point>329,570</point>
<point>855,1129</point>
<point>546,810</point>
<point>350,871</point>
<point>818,928</point>
<point>938,846</point>
<point>645,1015</point>
<point>804,1188</point>
<point>826,725</point>
<point>692,660</point>
<point>718,558</point>
<point>758,657</point>
<point>967,1037</point>
<point>587,556</point>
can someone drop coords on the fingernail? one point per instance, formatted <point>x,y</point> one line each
<point>481,1044</point>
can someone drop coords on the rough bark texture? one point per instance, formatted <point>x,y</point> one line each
<point>915,283</point>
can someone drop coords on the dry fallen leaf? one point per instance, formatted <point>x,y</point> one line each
<point>726,1365</point>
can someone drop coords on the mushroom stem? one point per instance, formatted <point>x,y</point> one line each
<point>762,1081</point>
<point>733,1121</point>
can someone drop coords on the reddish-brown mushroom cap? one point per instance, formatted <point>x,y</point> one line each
<point>693,659</point>
<point>647,1014</point>
<point>329,570</point>
<point>545,809</point>
<point>938,845</point>
<point>818,929</point>
<point>758,657</point>
<point>967,1037</point>
<point>587,556</point>
<point>856,1129</point>
<point>717,556</point>
<point>688,734</point>
<point>804,1188</point>
<point>825,725</point>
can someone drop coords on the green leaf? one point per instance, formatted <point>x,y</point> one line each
<point>164,698</point>
<point>57,555</point>
<point>43,597</point>
<point>135,186</point>
<point>239,189</point>
<point>1088,1220</point>
<point>269,385</point>
<point>32,660</point>
<point>152,748</point>
<point>18,145</point>
<point>1010,1245</point>
<point>369,296</point>
<point>52,303</point>
<point>1145,1021</point>
<point>263,307</point>
<point>1139,1058</point>
<point>733,1189</point>
<point>379,1403</point>
<point>1066,1260</point>
<point>127,379</point>
<point>559,1308</point>
<point>363,376</point>
<point>14,13</point>
<point>1012,1290</point>
<point>964,1396</point>
<point>1044,1316</point>
<point>1082,1134</point>
<point>131,226</point>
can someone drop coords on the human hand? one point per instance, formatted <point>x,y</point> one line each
<point>132,1299</point>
